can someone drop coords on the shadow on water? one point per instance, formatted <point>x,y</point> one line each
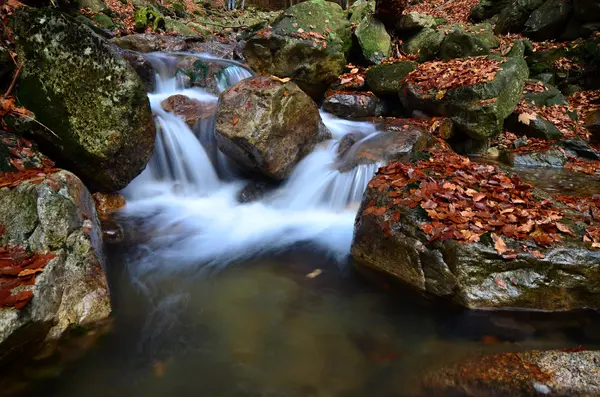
<point>288,324</point>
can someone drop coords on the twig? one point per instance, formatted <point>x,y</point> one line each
<point>33,119</point>
<point>13,82</point>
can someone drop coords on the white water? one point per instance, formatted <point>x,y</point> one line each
<point>186,199</point>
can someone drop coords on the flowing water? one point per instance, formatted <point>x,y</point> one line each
<point>213,297</point>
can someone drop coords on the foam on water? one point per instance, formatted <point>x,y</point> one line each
<point>190,214</point>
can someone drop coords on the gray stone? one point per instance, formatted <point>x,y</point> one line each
<point>353,104</point>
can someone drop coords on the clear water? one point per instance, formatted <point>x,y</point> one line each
<point>217,298</point>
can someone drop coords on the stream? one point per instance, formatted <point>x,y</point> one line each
<point>213,297</point>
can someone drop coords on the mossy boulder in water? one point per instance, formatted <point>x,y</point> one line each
<point>267,126</point>
<point>307,43</point>
<point>54,278</point>
<point>467,232</point>
<point>374,41</point>
<point>387,79</point>
<point>477,109</point>
<point>80,87</point>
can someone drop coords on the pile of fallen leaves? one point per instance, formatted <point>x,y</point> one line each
<point>445,75</point>
<point>557,115</point>
<point>585,102</point>
<point>18,270</point>
<point>465,200</point>
<point>453,11</point>
<point>590,167</point>
<point>33,176</point>
<point>523,144</point>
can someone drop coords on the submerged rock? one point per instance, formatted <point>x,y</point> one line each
<point>524,374</point>
<point>308,43</point>
<point>478,109</point>
<point>267,126</point>
<point>418,224</point>
<point>52,277</point>
<point>350,104</point>
<point>81,88</point>
<point>374,41</point>
<point>189,109</point>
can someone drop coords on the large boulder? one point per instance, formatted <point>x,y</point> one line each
<point>82,89</point>
<point>512,18</point>
<point>307,43</point>
<point>523,374</point>
<point>463,42</point>
<point>476,93</point>
<point>414,21</point>
<point>486,9</point>
<point>348,104</point>
<point>189,109</point>
<point>425,44</point>
<point>549,20</point>
<point>374,41</point>
<point>467,232</point>
<point>51,246</point>
<point>360,9</point>
<point>267,126</point>
<point>387,79</point>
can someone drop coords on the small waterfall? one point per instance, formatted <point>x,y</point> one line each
<point>185,202</point>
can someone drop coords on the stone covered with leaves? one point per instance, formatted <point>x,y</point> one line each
<point>267,126</point>
<point>51,247</point>
<point>465,231</point>
<point>83,90</point>
<point>308,43</point>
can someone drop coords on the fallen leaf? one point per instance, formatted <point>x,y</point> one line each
<point>526,118</point>
<point>314,273</point>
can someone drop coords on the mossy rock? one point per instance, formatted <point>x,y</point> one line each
<point>551,96</point>
<point>145,17</point>
<point>461,43</point>
<point>374,41</point>
<point>179,27</point>
<point>488,8</point>
<point>414,21</point>
<point>424,44</point>
<point>308,43</point>
<point>548,21</point>
<point>104,21</point>
<point>361,9</point>
<point>93,5</point>
<point>477,110</point>
<point>80,87</point>
<point>512,19</point>
<point>387,79</point>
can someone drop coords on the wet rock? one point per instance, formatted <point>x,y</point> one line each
<point>390,237</point>
<point>255,191</point>
<point>152,43</point>
<point>477,110</point>
<point>425,44</point>
<point>524,374</point>
<point>536,128</point>
<point>267,126</point>
<point>142,67</point>
<point>592,123</point>
<point>49,217</point>
<point>81,88</point>
<point>548,21</point>
<point>189,109</point>
<point>17,153</point>
<point>414,21</point>
<point>579,148</point>
<point>387,79</point>
<point>373,40</point>
<point>461,42</point>
<point>553,158</point>
<point>353,104</point>
<point>107,203</point>
<point>307,43</point>
<point>399,140</point>
<point>512,19</point>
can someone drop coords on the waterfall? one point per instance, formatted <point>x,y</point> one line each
<point>186,206</point>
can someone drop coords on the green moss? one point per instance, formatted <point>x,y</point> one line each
<point>145,17</point>
<point>388,78</point>
<point>373,39</point>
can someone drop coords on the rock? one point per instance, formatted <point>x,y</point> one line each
<point>592,123</point>
<point>424,44</point>
<point>81,88</point>
<point>397,237</point>
<point>538,127</point>
<point>104,21</point>
<point>161,43</point>
<point>587,10</point>
<point>478,110</point>
<point>142,67</point>
<point>548,21</point>
<point>50,219</point>
<point>107,34</point>
<point>17,153</point>
<point>414,21</point>
<point>486,9</point>
<point>512,19</point>
<point>579,148</point>
<point>107,203</point>
<point>307,43</point>
<point>189,109</point>
<point>462,43</point>
<point>348,104</point>
<point>179,27</point>
<point>267,126</point>
<point>387,79</point>
<point>399,140</point>
<point>374,41</point>
<point>523,374</point>
<point>255,191</point>
<point>552,158</point>
<point>545,95</point>
<point>93,5</point>
<point>360,9</point>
